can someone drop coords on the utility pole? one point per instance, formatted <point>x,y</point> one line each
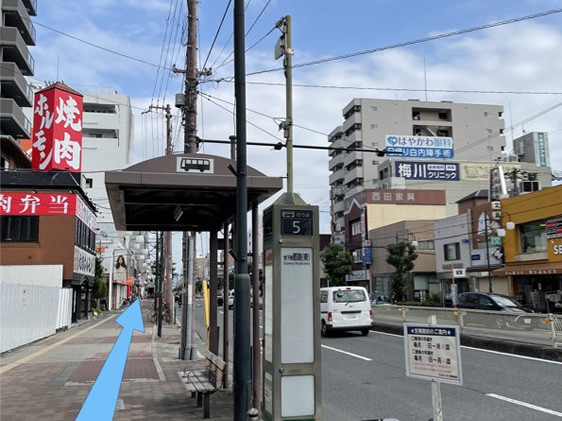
<point>284,48</point>
<point>167,242</point>
<point>189,108</point>
<point>191,80</point>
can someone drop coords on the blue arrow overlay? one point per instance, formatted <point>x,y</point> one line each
<point>101,401</point>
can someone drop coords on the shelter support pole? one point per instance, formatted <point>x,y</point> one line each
<point>226,316</point>
<point>214,334</point>
<point>256,344</point>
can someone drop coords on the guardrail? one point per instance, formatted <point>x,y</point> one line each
<point>536,328</point>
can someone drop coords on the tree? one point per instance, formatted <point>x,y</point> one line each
<point>337,263</point>
<point>100,287</point>
<point>402,256</point>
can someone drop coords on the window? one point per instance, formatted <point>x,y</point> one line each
<point>19,228</point>
<point>533,237</point>
<point>426,245</point>
<point>375,162</point>
<point>357,256</point>
<point>374,126</point>
<point>452,251</point>
<point>349,296</point>
<point>375,144</point>
<point>89,183</point>
<point>323,296</point>
<point>4,164</point>
<point>374,108</point>
<point>356,228</point>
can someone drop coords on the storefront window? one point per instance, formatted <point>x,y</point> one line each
<point>533,237</point>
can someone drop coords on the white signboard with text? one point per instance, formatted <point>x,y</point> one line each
<point>433,352</point>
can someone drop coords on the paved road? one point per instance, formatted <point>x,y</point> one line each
<point>371,383</point>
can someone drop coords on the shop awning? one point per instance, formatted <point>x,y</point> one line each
<point>550,268</point>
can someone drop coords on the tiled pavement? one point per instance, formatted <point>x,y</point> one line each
<point>50,379</point>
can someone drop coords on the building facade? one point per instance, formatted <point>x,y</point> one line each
<point>107,144</point>
<point>47,219</point>
<point>422,280</point>
<point>433,132</point>
<point>373,209</point>
<point>17,34</point>
<point>533,250</point>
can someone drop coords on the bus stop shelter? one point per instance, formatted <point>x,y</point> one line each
<point>174,193</point>
<point>188,192</point>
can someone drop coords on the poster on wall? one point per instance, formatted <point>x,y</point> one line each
<point>120,267</point>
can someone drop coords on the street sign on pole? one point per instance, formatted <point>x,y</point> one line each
<point>291,358</point>
<point>433,352</point>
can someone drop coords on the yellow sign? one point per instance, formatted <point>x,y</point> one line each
<point>554,247</point>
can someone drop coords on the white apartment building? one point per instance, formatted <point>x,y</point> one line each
<point>107,144</point>
<point>432,132</point>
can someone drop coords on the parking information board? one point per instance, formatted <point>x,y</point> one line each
<point>433,352</point>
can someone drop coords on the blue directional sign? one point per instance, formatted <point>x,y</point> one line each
<point>101,401</point>
<point>419,146</point>
<point>418,170</point>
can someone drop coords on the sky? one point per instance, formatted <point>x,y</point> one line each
<point>129,46</point>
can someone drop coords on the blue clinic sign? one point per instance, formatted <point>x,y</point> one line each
<point>418,170</point>
<point>419,146</point>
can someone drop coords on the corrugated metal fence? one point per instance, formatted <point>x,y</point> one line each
<point>33,308</point>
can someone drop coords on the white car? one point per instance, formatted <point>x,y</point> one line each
<point>345,308</point>
<point>231,298</point>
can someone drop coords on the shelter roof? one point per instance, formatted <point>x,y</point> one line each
<point>181,192</point>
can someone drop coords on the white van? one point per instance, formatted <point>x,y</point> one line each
<point>345,308</point>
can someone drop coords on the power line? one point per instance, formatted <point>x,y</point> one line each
<point>228,40</point>
<point>414,42</point>
<point>225,62</point>
<point>162,52</point>
<point>217,33</point>
<point>99,47</point>
<point>247,121</point>
<point>363,88</point>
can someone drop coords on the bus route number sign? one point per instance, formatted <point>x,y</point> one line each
<point>296,222</point>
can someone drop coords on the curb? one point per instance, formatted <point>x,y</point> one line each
<point>509,347</point>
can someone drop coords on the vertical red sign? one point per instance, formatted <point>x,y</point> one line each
<point>57,129</point>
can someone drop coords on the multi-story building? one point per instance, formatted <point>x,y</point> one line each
<point>16,34</point>
<point>107,144</point>
<point>533,249</point>
<point>422,281</point>
<point>433,132</point>
<point>460,178</point>
<point>373,209</point>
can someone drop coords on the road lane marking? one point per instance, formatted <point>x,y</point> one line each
<point>347,353</point>
<point>525,404</point>
<point>523,357</point>
<point>23,360</point>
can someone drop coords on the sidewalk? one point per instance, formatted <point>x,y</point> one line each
<point>51,378</point>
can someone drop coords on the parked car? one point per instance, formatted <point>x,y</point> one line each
<point>518,317</point>
<point>379,299</point>
<point>345,308</point>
